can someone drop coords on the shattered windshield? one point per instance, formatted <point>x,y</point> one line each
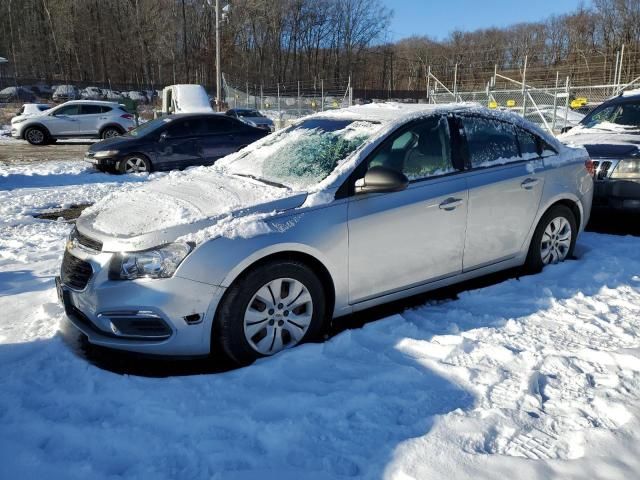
<point>304,154</point>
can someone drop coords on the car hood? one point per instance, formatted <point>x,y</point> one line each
<point>602,144</point>
<point>179,204</point>
<point>112,143</point>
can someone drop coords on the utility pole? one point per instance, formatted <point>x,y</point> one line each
<point>218,72</point>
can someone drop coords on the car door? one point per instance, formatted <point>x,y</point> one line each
<point>89,118</point>
<point>221,137</point>
<point>179,144</point>
<point>505,183</point>
<point>65,121</point>
<point>403,239</point>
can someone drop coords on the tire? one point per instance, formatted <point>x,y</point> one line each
<point>136,163</point>
<point>110,132</point>
<point>553,240</point>
<point>36,136</point>
<point>240,330</point>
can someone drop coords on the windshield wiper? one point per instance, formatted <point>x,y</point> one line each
<point>263,180</point>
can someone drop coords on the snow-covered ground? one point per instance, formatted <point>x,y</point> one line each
<point>533,378</point>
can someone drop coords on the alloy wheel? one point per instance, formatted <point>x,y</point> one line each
<point>135,165</point>
<point>111,132</point>
<point>278,316</point>
<point>556,241</point>
<point>35,136</point>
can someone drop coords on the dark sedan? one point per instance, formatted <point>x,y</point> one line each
<point>176,141</point>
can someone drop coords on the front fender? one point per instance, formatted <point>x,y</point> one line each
<point>319,232</point>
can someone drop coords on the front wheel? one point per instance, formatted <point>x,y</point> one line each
<point>135,164</point>
<point>271,308</point>
<point>36,136</point>
<point>554,238</point>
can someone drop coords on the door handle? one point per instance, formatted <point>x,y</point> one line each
<point>450,204</point>
<point>529,183</point>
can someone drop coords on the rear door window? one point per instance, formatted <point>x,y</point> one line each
<point>90,109</point>
<point>528,144</point>
<point>490,142</point>
<point>185,127</point>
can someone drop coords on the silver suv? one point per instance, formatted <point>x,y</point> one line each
<point>78,118</point>
<point>339,212</point>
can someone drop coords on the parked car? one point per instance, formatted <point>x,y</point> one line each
<point>177,141</point>
<point>337,213</point>
<point>16,94</point>
<point>137,96</point>
<point>252,117</point>
<point>64,93</point>
<point>611,135</point>
<point>564,117</point>
<point>112,95</point>
<point>92,93</point>
<point>77,118</point>
<point>30,110</point>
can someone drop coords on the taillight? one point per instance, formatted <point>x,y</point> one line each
<point>128,116</point>
<point>590,166</point>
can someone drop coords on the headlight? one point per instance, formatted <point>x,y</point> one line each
<point>105,153</point>
<point>628,168</point>
<point>160,262</point>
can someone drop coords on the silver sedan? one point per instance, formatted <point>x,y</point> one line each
<point>340,212</point>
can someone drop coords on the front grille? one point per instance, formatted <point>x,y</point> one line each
<point>88,242</point>
<point>75,273</point>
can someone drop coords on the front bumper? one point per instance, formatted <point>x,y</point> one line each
<point>170,316</point>
<point>617,194</point>
<point>103,162</point>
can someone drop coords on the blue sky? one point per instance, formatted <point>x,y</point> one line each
<point>438,18</point>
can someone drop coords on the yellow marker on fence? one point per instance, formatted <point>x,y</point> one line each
<point>511,103</point>
<point>493,104</point>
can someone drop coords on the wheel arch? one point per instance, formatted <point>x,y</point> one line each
<point>26,128</point>
<point>570,201</point>
<point>306,258</point>
<point>111,125</point>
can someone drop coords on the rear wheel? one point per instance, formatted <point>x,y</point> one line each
<point>271,308</point>
<point>135,164</point>
<point>110,132</point>
<point>36,136</point>
<point>554,238</point>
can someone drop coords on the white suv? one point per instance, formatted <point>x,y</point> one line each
<point>77,118</point>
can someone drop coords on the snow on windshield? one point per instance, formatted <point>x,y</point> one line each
<point>305,154</point>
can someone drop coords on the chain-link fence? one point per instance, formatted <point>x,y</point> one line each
<point>554,108</point>
<point>285,102</point>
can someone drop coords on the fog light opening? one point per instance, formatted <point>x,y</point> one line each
<point>193,319</point>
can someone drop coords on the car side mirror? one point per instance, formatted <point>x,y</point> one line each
<point>381,180</point>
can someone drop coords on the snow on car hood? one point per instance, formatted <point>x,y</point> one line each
<point>606,140</point>
<point>179,203</point>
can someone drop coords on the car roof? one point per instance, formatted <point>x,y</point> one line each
<point>195,114</point>
<point>91,102</point>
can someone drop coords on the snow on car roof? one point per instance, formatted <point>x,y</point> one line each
<point>389,111</point>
